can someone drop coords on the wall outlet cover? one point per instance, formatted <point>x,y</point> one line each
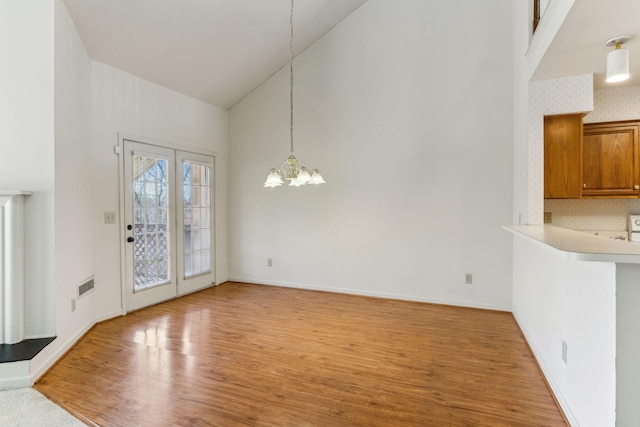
<point>109,217</point>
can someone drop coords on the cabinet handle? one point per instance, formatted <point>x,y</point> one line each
<point>584,185</point>
<point>637,187</point>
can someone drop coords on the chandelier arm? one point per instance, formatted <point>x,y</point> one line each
<point>291,79</point>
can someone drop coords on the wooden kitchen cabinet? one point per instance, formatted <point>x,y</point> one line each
<point>562,167</point>
<point>610,162</point>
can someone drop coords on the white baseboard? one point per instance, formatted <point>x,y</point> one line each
<point>566,409</point>
<point>38,371</point>
<point>371,294</point>
<point>14,375</point>
<point>111,315</point>
<point>36,337</point>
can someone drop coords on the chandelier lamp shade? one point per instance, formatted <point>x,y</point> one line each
<point>292,169</point>
<point>617,60</point>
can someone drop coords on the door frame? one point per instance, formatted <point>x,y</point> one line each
<point>120,152</point>
<point>195,283</point>
<point>163,290</point>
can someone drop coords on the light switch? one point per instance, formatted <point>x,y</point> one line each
<point>109,217</point>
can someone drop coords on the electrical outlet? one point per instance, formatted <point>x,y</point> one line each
<point>548,217</point>
<point>564,351</point>
<point>468,279</point>
<point>269,262</point>
<point>73,304</point>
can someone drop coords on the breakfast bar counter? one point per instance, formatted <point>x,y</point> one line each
<point>578,245</point>
<point>576,296</point>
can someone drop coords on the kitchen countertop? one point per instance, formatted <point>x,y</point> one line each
<point>579,245</point>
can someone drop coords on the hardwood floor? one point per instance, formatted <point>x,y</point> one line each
<point>249,355</point>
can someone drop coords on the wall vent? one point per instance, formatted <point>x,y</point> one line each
<point>86,286</point>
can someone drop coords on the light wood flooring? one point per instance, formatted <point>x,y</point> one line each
<point>250,355</point>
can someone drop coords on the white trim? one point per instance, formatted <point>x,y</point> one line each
<point>119,150</point>
<point>51,360</point>
<point>12,266</point>
<point>543,24</point>
<point>202,281</point>
<point>14,375</point>
<point>121,209</point>
<point>11,193</point>
<point>566,409</point>
<point>167,289</point>
<point>54,358</point>
<point>108,316</point>
<point>38,336</point>
<point>163,144</point>
<point>387,295</point>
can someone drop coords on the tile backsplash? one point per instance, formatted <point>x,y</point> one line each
<point>601,214</point>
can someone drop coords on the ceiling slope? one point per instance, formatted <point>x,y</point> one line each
<point>213,50</point>
<point>579,46</point>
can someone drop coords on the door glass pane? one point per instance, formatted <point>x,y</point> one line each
<point>197,211</point>
<point>151,219</point>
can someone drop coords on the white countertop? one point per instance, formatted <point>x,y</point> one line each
<point>579,245</point>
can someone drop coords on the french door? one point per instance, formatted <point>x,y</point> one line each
<point>169,211</point>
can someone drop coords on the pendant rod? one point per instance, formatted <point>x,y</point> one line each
<point>291,79</point>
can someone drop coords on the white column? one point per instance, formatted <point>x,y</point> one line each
<point>12,266</point>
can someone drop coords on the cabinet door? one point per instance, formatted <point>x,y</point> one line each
<point>562,156</point>
<point>610,160</point>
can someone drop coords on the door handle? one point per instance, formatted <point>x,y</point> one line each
<point>130,239</point>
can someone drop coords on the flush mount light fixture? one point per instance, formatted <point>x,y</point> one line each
<point>617,60</point>
<point>292,169</point>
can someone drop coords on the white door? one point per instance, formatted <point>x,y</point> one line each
<point>196,222</point>
<point>169,223</point>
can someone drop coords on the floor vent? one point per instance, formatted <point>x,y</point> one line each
<point>85,286</point>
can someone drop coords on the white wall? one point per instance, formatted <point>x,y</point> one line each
<point>521,74</point>
<point>552,297</point>
<point>73,197</point>
<point>528,51</point>
<point>125,104</point>
<point>406,108</point>
<point>93,104</point>
<point>627,345</point>
<point>26,88</point>
<point>27,143</point>
<point>556,299</point>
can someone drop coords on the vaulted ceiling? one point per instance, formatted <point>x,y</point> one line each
<point>579,46</point>
<point>213,50</point>
<point>219,50</point>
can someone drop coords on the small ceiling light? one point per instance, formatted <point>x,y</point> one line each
<point>617,60</point>
<point>292,169</point>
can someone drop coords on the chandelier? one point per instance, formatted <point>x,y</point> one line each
<point>292,169</point>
